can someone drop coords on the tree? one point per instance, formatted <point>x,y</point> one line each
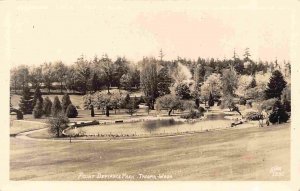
<point>14,78</point>
<point>199,73</point>
<point>72,79</point>
<point>127,99</point>
<point>213,84</point>
<point>252,83</point>
<point>96,84</point>
<point>247,55</point>
<point>149,80</point>
<point>211,100</point>
<point>136,78</point>
<point>47,105</point>
<point>102,100</point>
<point>131,107</point>
<point>108,70</point>
<point>286,98</point>
<point>183,91</point>
<point>228,102</point>
<point>278,114</point>
<point>275,85</point>
<point>92,111</point>
<point>60,71</point>
<point>25,104</point>
<point>23,75</point>
<point>121,68</point>
<point>38,110</point>
<point>37,96</point>
<point>126,81</point>
<point>243,85</point>
<point>56,107</point>
<point>169,102</point>
<point>48,75</point>
<point>57,124</point>
<point>164,81</point>
<point>71,111</point>
<point>229,82</point>
<point>83,71</point>
<point>65,102</point>
<point>36,76</point>
<point>116,100</point>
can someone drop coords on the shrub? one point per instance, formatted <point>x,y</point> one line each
<point>71,111</point>
<point>65,102</point>
<point>19,115</point>
<point>56,107</point>
<point>267,105</point>
<point>38,110</point>
<point>253,116</point>
<point>183,91</point>
<point>131,107</point>
<point>192,115</point>
<point>242,101</point>
<point>201,109</point>
<point>47,104</point>
<point>278,114</point>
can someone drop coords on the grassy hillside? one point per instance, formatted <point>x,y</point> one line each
<point>245,154</point>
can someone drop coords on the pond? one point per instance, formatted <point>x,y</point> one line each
<point>164,126</point>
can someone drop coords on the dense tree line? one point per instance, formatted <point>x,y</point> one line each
<point>212,80</point>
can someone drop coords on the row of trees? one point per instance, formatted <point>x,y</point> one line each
<point>83,76</point>
<point>38,106</point>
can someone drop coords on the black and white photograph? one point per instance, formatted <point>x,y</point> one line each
<point>149,91</point>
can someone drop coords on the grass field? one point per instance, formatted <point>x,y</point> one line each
<point>240,154</point>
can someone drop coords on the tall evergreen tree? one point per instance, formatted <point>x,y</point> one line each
<point>56,107</point>
<point>65,102</point>
<point>47,105</point>
<point>71,111</point>
<point>25,104</point>
<point>211,100</point>
<point>275,85</point>
<point>37,96</point>
<point>38,110</point>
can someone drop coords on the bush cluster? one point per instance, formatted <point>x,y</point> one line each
<point>242,101</point>
<point>253,116</point>
<point>71,111</point>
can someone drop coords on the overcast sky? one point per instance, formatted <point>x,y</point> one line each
<point>42,32</point>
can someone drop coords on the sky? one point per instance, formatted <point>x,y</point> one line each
<point>60,30</point>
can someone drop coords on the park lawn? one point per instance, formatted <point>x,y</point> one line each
<point>237,154</point>
<point>20,126</point>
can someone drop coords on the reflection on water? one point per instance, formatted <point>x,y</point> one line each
<point>153,125</point>
<point>218,116</point>
<point>210,121</point>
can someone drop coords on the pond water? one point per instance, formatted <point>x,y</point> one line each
<point>158,126</point>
